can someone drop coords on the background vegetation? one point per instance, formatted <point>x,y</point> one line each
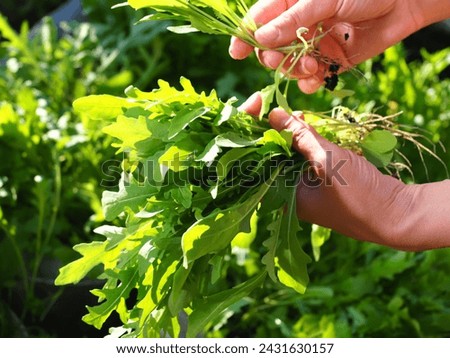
<point>51,171</point>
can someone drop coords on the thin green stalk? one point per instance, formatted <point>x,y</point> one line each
<point>39,235</point>
<point>42,244</point>
<point>229,24</point>
<point>211,20</point>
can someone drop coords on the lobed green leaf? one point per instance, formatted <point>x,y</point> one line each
<point>131,194</point>
<point>102,107</point>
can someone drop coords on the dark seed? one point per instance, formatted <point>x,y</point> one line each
<point>346,36</point>
<point>334,67</point>
<point>331,82</point>
<point>349,118</point>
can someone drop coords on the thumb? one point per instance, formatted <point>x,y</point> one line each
<point>305,138</point>
<point>282,30</point>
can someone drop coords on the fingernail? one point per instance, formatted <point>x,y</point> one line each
<point>309,66</point>
<point>239,50</point>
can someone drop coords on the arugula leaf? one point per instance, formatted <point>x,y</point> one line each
<point>179,156</point>
<point>319,235</point>
<point>226,140</point>
<point>282,101</point>
<point>182,29</point>
<point>290,258</point>
<point>102,107</point>
<point>267,95</point>
<point>211,306</point>
<point>211,17</point>
<point>93,254</point>
<point>182,196</point>
<point>285,260</point>
<point>271,244</point>
<point>227,160</point>
<point>184,117</point>
<point>130,131</point>
<point>131,194</point>
<point>217,230</point>
<point>114,298</point>
<point>282,139</point>
<point>228,112</point>
<point>139,4</point>
<point>178,295</point>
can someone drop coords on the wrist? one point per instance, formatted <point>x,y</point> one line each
<point>421,220</point>
<point>427,12</point>
<point>389,222</point>
<point>401,218</point>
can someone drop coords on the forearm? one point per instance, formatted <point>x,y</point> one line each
<point>383,210</point>
<point>346,193</point>
<point>426,223</point>
<point>431,11</point>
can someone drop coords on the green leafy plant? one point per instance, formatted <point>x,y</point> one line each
<point>201,181</point>
<point>51,160</point>
<point>205,210</point>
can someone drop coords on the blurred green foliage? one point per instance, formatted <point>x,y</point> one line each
<point>51,163</point>
<point>356,290</point>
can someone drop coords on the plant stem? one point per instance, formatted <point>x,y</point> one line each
<point>42,244</point>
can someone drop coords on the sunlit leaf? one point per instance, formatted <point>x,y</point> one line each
<point>131,194</point>
<point>378,147</point>
<point>102,107</point>
<point>93,254</point>
<point>129,131</point>
<point>319,235</point>
<point>290,258</point>
<point>182,29</point>
<point>227,140</point>
<point>184,117</point>
<point>112,297</point>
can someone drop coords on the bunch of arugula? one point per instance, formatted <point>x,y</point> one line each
<point>203,184</point>
<point>200,180</point>
<point>204,189</point>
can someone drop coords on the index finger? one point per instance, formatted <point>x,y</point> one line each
<point>282,29</point>
<point>266,10</point>
<point>261,12</point>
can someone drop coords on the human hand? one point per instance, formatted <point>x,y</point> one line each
<point>343,191</point>
<point>355,31</point>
